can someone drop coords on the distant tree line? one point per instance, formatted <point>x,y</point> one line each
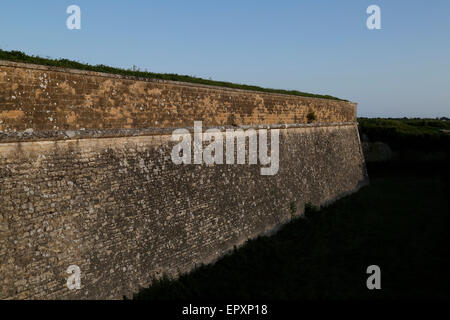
<point>408,133</point>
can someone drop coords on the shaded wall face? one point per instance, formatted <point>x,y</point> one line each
<point>123,212</point>
<point>41,99</point>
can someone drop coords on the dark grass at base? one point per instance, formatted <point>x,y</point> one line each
<point>400,223</point>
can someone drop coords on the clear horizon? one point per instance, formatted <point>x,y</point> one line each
<point>323,47</point>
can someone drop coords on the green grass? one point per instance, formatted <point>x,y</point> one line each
<point>18,56</point>
<point>399,222</point>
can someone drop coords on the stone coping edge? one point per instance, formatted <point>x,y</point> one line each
<point>54,135</point>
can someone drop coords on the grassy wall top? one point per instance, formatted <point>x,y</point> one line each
<point>18,56</point>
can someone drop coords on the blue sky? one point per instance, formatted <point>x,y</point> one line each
<point>316,46</point>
